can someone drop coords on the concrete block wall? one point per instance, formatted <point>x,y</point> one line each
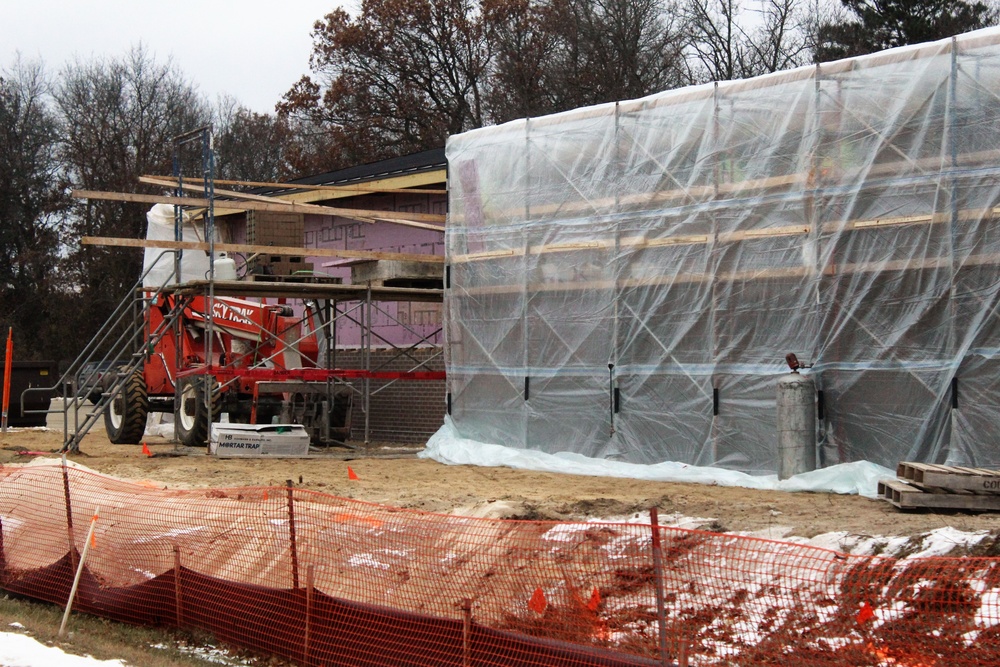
<point>276,229</point>
<point>408,411</point>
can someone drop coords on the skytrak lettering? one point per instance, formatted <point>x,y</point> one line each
<point>225,311</point>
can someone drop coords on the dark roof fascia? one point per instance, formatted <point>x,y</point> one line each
<point>415,163</point>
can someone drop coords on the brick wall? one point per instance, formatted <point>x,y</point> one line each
<point>406,411</point>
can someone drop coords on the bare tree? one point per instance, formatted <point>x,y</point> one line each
<point>730,40</point>
<point>120,117</point>
<point>30,202</point>
<point>250,146</point>
<point>399,78</point>
<point>523,45</point>
<point>615,49</point>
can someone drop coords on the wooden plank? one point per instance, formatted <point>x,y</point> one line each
<point>264,249</point>
<point>399,181</point>
<point>242,288</point>
<point>306,208</point>
<point>279,206</point>
<point>352,189</point>
<point>905,496</point>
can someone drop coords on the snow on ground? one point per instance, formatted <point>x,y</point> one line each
<point>447,447</point>
<point>21,650</point>
<point>17,650</point>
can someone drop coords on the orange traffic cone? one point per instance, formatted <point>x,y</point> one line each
<point>145,450</point>
<point>351,474</point>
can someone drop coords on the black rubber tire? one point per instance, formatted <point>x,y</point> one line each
<point>191,417</point>
<point>125,416</point>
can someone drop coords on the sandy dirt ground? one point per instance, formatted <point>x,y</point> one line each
<point>395,476</point>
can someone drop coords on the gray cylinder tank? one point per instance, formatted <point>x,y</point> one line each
<point>796,425</point>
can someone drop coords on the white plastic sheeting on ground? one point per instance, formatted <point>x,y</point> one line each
<point>626,279</point>
<point>446,446</point>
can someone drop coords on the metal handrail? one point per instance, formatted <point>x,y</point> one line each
<point>125,354</point>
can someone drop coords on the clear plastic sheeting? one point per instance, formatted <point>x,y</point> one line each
<point>626,279</point>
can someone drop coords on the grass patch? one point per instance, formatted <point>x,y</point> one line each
<point>108,640</point>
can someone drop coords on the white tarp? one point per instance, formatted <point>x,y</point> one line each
<point>666,253</point>
<point>446,446</point>
<point>194,263</point>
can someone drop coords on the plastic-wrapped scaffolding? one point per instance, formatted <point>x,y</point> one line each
<point>626,279</point>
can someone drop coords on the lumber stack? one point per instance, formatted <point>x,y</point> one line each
<point>930,486</point>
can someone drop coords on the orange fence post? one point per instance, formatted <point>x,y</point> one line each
<point>309,604</point>
<point>661,618</point>
<point>291,536</point>
<point>8,360</point>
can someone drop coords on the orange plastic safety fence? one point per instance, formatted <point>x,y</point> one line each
<point>323,580</point>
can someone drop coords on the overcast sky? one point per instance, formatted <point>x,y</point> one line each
<point>253,50</point>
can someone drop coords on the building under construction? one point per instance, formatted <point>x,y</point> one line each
<point>626,279</point>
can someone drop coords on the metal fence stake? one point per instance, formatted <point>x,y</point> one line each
<point>466,632</point>
<point>178,604</point>
<point>69,514</point>
<point>661,615</point>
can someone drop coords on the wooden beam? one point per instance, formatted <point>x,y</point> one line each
<point>243,195</point>
<point>280,206</point>
<point>190,187</point>
<point>263,249</point>
<point>350,189</point>
<point>399,182</point>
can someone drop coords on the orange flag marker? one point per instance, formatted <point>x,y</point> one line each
<point>8,359</point>
<point>145,450</point>
<point>866,614</point>
<point>351,474</point>
<point>595,600</point>
<point>537,602</point>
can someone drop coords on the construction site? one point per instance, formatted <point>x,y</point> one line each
<point>525,400</point>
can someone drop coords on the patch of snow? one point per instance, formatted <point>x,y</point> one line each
<point>17,650</point>
<point>366,560</point>
<point>942,540</point>
<point>176,532</point>
<point>207,653</point>
<point>989,602</point>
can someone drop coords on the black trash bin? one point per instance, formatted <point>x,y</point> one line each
<point>25,374</point>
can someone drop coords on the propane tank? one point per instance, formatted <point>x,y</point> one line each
<point>796,424</point>
<point>225,267</point>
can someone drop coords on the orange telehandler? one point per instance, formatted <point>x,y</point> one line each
<point>256,361</point>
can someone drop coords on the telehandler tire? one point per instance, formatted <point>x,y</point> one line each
<point>191,417</point>
<point>125,416</point>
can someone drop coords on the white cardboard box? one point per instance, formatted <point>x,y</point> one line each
<point>252,440</point>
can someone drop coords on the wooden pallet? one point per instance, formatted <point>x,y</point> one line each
<point>978,480</point>
<point>930,486</point>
